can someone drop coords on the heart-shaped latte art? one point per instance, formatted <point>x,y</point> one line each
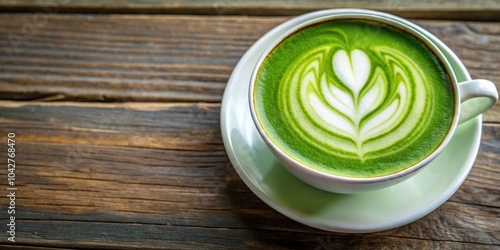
<point>357,110</point>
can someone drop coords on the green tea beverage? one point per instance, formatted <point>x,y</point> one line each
<point>354,98</point>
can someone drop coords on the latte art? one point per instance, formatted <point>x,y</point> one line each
<point>354,98</point>
<point>359,103</point>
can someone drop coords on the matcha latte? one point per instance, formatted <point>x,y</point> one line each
<point>353,98</point>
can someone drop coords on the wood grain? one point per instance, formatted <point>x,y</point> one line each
<point>430,9</point>
<point>167,58</point>
<point>117,127</point>
<point>133,58</point>
<point>81,186</point>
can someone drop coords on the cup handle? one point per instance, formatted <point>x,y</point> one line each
<point>476,96</point>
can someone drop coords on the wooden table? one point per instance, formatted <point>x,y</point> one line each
<point>115,106</point>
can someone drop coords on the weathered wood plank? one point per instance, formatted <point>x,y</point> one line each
<point>166,58</point>
<point>164,126</point>
<point>158,236</point>
<point>80,185</point>
<point>143,58</point>
<point>442,9</point>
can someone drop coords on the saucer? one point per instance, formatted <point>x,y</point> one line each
<point>349,213</point>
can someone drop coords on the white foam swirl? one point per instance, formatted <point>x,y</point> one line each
<point>359,110</point>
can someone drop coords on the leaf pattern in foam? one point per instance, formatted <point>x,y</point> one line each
<point>337,122</point>
<point>362,111</point>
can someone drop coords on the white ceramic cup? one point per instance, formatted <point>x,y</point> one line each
<point>471,99</point>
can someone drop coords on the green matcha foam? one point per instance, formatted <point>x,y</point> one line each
<point>354,98</point>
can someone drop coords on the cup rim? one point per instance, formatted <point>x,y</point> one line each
<point>321,16</point>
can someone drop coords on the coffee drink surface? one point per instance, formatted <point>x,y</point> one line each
<point>354,98</point>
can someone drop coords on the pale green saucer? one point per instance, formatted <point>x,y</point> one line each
<point>368,212</point>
